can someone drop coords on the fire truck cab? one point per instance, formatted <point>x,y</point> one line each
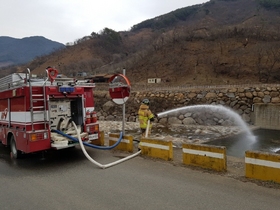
<point>30,108</point>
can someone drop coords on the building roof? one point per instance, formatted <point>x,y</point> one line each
<point>102,76</point>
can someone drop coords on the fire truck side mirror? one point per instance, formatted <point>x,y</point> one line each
<point>119,88</point>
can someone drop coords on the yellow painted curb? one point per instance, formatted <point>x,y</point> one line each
<point>126,143</point>
<point>262,166</point>
<point>205,156</point>
<point>156,148</point>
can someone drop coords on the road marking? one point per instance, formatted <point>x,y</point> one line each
<point>157,146</point>
<point>203,153</point>
<point>259,162</point>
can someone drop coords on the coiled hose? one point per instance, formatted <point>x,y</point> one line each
<point>90,145</point>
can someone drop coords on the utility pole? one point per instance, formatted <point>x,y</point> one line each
<point>123,122</point>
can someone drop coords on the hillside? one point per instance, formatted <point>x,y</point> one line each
<point>219,42</point>
<point>19,51</point>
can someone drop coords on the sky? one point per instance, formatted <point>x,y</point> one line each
<point>66,21</point>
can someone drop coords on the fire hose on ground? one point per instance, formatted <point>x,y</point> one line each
<point>96,147</point>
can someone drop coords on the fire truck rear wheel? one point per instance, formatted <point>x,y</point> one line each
<point>14,152</point>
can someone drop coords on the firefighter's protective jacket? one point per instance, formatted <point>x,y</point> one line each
<point>144,114</point>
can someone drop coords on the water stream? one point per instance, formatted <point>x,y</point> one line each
<point>260,139</point>
<point>266,141</point>
<point>223,111</point>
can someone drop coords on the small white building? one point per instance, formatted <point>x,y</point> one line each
<point>81,74</point>
<point>154,80</point>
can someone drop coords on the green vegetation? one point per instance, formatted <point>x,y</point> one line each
<point>111,36</point>
<point>272,4</point>
<point>167,20</point>
<point>109,39</point>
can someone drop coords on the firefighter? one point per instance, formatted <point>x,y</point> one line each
<point>145,114</point>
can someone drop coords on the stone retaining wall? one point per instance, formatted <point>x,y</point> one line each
<point>240,100</point>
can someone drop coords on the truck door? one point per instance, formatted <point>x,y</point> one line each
<point>77,111</point>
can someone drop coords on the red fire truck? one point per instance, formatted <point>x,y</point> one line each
<point>30,108</point>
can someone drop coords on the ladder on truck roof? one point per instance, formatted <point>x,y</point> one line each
<point>35,98</point>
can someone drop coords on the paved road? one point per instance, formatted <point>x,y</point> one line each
<point>67,180</point>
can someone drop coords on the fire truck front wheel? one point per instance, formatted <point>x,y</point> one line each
<point>14,152</point>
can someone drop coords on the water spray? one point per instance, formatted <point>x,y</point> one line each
<point>217,108</point>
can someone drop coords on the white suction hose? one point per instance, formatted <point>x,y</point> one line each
<point>147,129</point>
<point>95,162</point>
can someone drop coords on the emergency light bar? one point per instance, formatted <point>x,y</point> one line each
<point>66,89</point>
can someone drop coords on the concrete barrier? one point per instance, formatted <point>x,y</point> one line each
<point>262,165</point>
<point>126,143</point>
<point>266,115</point>
<point>205,156</point>
<point>156,148</point>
